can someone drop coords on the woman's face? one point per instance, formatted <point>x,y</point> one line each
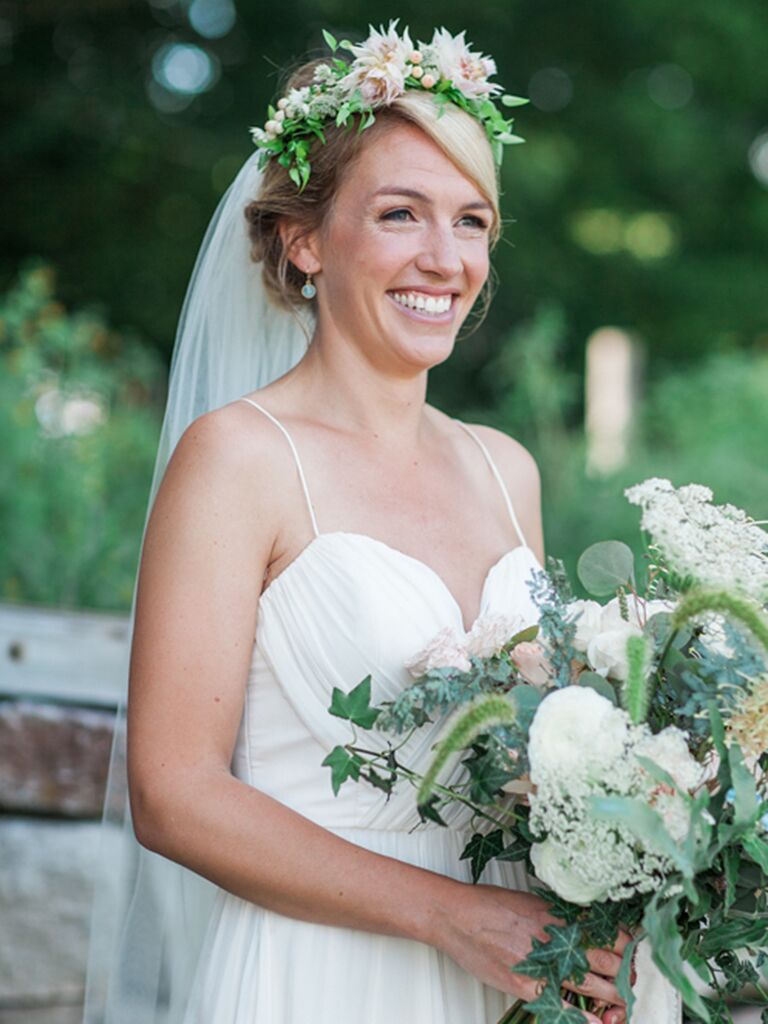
<point>403,253</point>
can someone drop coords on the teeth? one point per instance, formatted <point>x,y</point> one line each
<point>424,303</point>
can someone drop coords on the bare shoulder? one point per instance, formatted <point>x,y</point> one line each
<point>520,473</point>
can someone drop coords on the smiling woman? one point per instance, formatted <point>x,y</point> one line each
<point>384,519</point>
<point>460,139</point>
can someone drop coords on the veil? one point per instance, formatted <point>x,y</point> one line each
<point>149,913</point>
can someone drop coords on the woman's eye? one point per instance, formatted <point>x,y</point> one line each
<point>397,215</point>
<point>475,222</point>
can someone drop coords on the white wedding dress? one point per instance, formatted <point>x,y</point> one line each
<point>347,606</point>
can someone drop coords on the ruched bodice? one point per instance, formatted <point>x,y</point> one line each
<point>349,606</point>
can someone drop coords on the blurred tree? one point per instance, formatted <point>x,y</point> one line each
<point>640,199</point>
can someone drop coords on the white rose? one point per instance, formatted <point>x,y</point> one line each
<point>586,615</point>
<point>669,750</point>
<point>491,632</point>
<point>575,731</point>
<point>638,610</point>
<point>554,866</point>
<point>607,652</point>
<point>444,650</point>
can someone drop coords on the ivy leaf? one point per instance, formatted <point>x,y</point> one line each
<point>549,1005</point>
<point>343,766</point>
<point>482,848</point>
<point>428,811</point>
<point>355,706</point>
<point>564,952</point>
<point>487,776</point>
<point>516,850</point>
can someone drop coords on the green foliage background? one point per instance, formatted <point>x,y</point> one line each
<point>633,204</point>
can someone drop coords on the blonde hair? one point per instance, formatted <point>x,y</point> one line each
<point>458,134</point>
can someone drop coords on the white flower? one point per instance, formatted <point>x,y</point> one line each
<point>607,652</point>
<point>575,732</point>
<point>586,615</point>
<point>297,102</point>
<point>378,70</point>
<point>717,546</point>
<point>490,632</point>
<point>554,866</point>
<point>669,750</point>
<point>467,70</point>
<point>532,663</point>
<point>674,813</point>
<point>444,650</point>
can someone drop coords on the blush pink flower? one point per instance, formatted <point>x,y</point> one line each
<point>444,650</point>
<point>491,632</point>
<point>378,69</point>
<point>532,663</point>
<point>467,70</point>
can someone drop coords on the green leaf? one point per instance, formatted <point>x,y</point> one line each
<point>345,44</point>
<point>757,849</point>
<point>605,566</point>
<point>330,41</point>
<point>600,684</point>
<point>645,822</point>
<point>509,139</point>
<point>293,174</point>
<point>745,800</point>
<point>514,851</point>
<point>482,848</point>
<point>355,706</point>
<point>660,921</point>
<point>564,951</point>
<point>623,983</point>
<point>513,101</point>
<point>343,766</point>
<point>487,776</point>
<point>428,811</point>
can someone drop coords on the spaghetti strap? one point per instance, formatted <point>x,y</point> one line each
<point>289,439</point>
<point>501,483</point>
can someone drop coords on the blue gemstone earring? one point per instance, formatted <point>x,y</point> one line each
<point>308,290</point>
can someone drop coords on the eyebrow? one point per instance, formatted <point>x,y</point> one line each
<point>412,193</point>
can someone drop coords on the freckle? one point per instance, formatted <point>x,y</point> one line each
<point>217,699</point>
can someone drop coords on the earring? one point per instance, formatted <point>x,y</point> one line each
<point>308,290</point>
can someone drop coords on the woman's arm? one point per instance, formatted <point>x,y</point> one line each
<point>208,541</point>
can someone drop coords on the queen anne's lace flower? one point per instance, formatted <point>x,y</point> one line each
<point>717,546</point>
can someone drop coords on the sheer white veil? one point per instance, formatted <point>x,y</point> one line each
<point>149,914</point>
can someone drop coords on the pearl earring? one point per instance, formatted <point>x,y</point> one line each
<point>308,290</point>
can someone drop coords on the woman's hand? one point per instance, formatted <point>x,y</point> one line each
<point>488,929</point>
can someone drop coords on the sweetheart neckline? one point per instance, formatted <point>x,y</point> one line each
<point>412,559</point>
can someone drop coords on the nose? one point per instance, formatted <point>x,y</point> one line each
<point>439,253</point>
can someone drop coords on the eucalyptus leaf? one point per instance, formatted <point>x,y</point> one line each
<point>605,566</point>
<point>598,683</point>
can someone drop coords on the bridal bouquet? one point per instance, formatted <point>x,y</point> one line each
<point>618,749</point>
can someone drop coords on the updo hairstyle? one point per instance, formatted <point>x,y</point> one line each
<point>457,133</point>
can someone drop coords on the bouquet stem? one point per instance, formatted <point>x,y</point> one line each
<point>517,1014</point>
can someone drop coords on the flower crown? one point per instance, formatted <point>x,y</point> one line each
<point>384,66</point>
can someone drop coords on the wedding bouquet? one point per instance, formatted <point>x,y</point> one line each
<point>618,750</point>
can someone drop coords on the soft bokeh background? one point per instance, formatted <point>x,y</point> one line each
<point>639,202</point>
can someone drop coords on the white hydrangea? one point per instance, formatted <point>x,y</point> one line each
<point>669,750</point>
<point>298,102</point>
<point>718,546</point>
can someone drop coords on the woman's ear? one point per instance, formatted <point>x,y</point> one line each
<point>300,247</point>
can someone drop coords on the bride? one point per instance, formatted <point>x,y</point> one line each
<point>320,527</point>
